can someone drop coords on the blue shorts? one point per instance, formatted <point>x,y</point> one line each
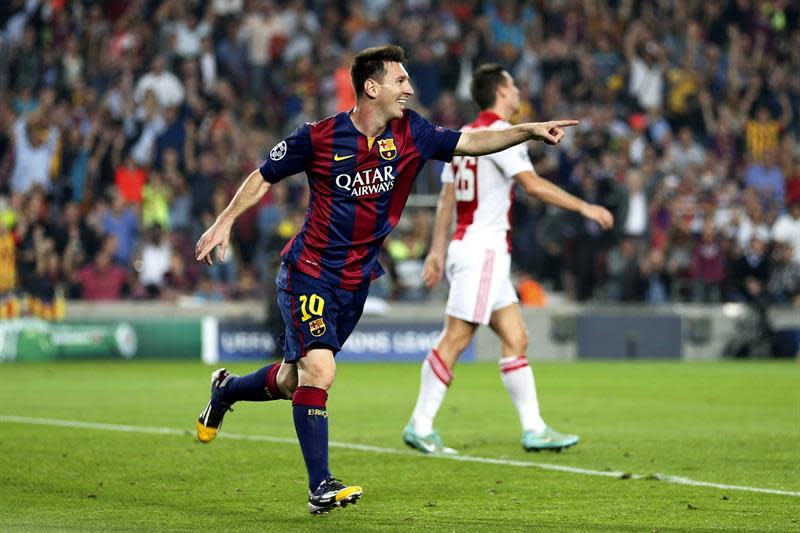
<point>316,314</point>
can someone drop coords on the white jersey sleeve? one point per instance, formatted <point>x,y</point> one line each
<point>448,176</point>
<point>512,161</point>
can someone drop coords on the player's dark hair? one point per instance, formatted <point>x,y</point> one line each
<point>485,81</point>
<point>371,63</point>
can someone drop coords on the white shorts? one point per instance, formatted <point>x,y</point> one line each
<point>479,282</point>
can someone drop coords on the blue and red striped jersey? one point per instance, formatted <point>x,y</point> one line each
<point>359,187</point>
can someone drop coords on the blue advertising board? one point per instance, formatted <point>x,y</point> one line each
<point>245,341</point>
<point>386,342</point>
<point>395,342</point>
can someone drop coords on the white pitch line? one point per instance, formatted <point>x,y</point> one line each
<point>391,451</point>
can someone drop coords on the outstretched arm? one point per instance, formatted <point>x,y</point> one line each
<point>489,141</point>
<point>552,194</point>
<point>433,269</point>
<point>248,195</point>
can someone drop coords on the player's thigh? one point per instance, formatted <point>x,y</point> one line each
<point>310,311</point>
<point>477,277</point>
<point>508,324</point>
<point>351,304</point>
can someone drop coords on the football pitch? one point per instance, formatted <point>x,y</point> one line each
<point>665,447</point>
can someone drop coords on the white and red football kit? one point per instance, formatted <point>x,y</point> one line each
<point>478,262</point>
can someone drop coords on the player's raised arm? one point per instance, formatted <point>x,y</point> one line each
<point>489,141</point>
<point>219,234</point>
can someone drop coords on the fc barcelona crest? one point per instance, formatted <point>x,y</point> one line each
<point>387,149</point>
<point>317,327</point>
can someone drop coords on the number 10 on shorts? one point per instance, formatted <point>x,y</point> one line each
<point>311,306</point>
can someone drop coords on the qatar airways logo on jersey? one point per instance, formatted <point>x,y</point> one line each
<point>367,182</point>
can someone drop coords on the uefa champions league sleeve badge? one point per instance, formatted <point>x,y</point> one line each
<point>278,151</point>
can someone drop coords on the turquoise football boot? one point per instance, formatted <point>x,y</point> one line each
<point>549,439</point>
<point>431,443</point>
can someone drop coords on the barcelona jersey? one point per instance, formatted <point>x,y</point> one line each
<point>359,187</point>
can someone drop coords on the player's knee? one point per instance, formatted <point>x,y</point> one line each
<point>322,378</point>
<point>518,342</point>
<point>318,373</point>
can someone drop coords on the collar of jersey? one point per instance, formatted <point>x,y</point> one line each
<point>349,121</point>
<point>487,118</point>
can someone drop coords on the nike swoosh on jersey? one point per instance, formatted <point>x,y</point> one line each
<point>337,157</point>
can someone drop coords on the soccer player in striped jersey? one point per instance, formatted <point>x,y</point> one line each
<point>480,191</point>
<point>360,167</point>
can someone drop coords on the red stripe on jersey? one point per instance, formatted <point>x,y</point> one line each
<point>407,168</point>
<point>466,172</point>
<point>315,238</point>
<point>466,185</point>
<point>485,118</point>
<point>364,221</point>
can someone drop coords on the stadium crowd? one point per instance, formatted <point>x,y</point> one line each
<point>126,126</point>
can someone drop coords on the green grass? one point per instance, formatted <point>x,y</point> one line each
<point>731,423</point>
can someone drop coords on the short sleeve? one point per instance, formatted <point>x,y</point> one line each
<point>512,161</point>
<point>433,142</point>
<point>448,175</point>
<point>288,157</point>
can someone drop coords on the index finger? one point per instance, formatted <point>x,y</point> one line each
<point>565,122</point>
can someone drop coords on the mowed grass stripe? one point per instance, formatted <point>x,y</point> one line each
<point>78,424</point>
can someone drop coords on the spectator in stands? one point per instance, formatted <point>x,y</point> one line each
<point>197,91</point>
<point>708,266</point>
<point>166,86</point>
<point>645,58</point>
<point>751,270</point>
<point>177,280</point>
<point>685,151</point>
<point>156,196</point>
<point>260,27</point>
<point>35,143</point>
<point>122,222</point>
<point>787,229</point>
<point>636,222</point>
<point>8,259</point>
<point>130,179</point>
<point>153,261</point>
<point>625,283</point>
<point>766,177</point>
<point>783,285</point>
<point>102,279</point>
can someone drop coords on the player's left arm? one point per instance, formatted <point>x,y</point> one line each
<point>219,234</point>
<point>547,192</point>
<point>286,158</point>
<point>489,141</point>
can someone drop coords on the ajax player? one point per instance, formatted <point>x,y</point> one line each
<point>479,190</point>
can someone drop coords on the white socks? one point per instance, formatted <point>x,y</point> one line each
<point>517,376</point>
<point>434,380</point>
